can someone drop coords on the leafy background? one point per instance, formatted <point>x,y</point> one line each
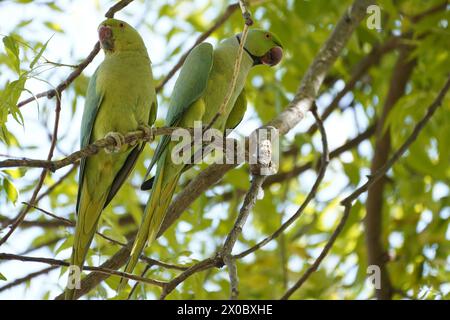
<point>41,37</point>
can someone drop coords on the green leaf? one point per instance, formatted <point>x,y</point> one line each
<point>12,50</point>
<point>68,243</point>
<point>24,23</point>
<point>9,98</point>
<point>2,277</point>
<point>11,190</point>
<point>53,26</point>
<point>41,51</point>
<point>54,7</point>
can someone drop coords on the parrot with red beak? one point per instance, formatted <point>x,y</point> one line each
<point>120,98</point>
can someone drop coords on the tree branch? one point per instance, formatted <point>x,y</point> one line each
<point>374,205</point>
<point>92,149</point>
<point>27,278</point>
<point>244,212</point>
<point>117,7</point>
<point>106,271</point>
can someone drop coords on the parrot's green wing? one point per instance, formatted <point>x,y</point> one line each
<point>238,111</point>
<point>128,166</point>
<point>190,86</point>
<point>92,106</point>
<point>93,102</point>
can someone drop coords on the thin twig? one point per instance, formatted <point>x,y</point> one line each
<point>54,262</point>
<point>117,7</point>
<point>198,267</point>
<point>64,84</point>
<point>245,12</point>
<point>27,278</point>
<point>322,255</point>
<point>150,262</point>
<point>147,267</point>
<point>244,212</point>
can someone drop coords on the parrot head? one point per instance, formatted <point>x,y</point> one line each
<point>263,47</point>
<point>116,35</point>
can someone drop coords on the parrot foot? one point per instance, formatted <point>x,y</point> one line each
<point>148,132</point>
<point>119,140</point>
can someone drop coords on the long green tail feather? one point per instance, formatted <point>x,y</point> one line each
<point>153,217</point>
<point>88,216</point>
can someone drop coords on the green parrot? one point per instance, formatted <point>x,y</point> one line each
<point>120,98</point>
<point>197,96</point>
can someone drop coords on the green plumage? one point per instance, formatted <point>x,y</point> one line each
<point>120,98</point>
<point>198,94</point>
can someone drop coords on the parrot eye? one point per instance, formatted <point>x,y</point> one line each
<point>121,25</point>
<point>267,35</point>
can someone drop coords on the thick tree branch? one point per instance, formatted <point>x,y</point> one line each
<point>374,205</point>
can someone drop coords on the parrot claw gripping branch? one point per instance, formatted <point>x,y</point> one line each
<point>119,140</point>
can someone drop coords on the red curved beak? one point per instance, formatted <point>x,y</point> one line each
<point>104,33</point>
<point>273,56</point>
